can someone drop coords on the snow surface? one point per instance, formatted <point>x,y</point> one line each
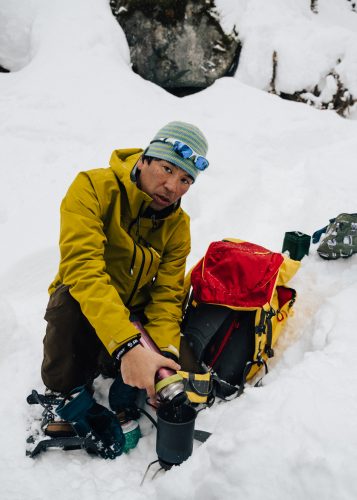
<point>276,166</point>
<point>309,46</point>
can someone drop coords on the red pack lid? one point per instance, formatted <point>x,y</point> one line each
<point>237,274</point>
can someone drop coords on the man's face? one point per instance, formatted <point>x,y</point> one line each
<point>163,181</point>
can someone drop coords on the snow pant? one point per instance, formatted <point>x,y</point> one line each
<point>74,355</point>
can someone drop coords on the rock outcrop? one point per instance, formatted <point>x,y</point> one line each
<point>177,44</point>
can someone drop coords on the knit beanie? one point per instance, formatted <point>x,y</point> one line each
<point>183,132</point>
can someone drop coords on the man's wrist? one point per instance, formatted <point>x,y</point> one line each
<point>123,349</point>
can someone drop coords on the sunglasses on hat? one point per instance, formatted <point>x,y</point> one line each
<point>185,151</point>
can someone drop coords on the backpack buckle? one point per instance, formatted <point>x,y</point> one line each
<point>269,351</point>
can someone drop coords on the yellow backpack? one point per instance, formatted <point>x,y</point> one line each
<point>238,303</point>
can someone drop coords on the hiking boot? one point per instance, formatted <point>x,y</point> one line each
<point>59,428</point>
<point>52,425</point>
<point>340,239</point>
<point>93,421</point>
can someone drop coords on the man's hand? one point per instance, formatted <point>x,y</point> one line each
<point>139,365</point>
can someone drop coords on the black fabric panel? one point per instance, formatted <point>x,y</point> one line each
<point>205,327</point>
<point>238,350</point>
<point>201,323</point>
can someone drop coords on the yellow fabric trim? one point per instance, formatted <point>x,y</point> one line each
<point>287,270</point>
<point>168,380</point>
<point>195,398</point>
<point>198,376</point>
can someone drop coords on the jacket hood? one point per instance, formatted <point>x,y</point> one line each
<point>122,162</point>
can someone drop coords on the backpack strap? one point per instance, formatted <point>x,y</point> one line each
<point>187,291</point>
<point>317,234</point>
<point>265,327</point>
<point>259,362</point>
<point>269,333</point>
<point>227,391</point>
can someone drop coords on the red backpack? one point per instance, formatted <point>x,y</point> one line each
<point>237,307</point>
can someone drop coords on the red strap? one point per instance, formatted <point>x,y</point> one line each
<point>233,325</point>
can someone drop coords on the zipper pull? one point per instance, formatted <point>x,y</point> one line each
<point>154,221</point>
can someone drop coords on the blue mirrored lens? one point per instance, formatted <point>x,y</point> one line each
<point>183,150</point>
<point>201,163</point>
<point>186,152</point>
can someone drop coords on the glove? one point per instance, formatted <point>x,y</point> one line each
<point>123,397</point>
<point>90,418</point>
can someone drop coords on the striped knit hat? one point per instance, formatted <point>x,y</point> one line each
<point>183,132</point>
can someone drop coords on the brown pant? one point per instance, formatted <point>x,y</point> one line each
<point>73,353</point>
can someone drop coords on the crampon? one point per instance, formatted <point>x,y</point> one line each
<point>38,439</point>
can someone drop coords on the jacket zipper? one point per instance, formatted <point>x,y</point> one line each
<point>151,260</point>
<point>137,281</point>
<point>154,222</point>
<point>136,220</point>
<point>131,270</point>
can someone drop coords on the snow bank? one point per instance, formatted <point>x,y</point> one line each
<point>276,166</point>
<point>308,45</point>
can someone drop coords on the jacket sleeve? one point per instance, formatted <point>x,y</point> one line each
<point>82,244</point>
<point>164,311</point>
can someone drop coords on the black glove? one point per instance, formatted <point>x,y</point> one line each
<point>90,418</point>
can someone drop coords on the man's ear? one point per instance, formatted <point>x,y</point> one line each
<point>139,163</point>
<point>136,170</point>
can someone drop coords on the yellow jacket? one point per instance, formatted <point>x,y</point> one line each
<point>114,258</point>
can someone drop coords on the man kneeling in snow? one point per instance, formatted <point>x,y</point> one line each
<point>124,242</point>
